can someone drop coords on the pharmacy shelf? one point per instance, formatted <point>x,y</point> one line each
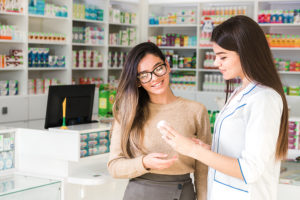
<point>173,25</point>
<point>285,48</point>
<point>183,69</point>
<point>134,2</point>
<point>87,69</point>
<point>89,21</point>
<point>12,41</point>
<point>46,68</point>
<point>169,47</point>
<point>12,14</point>
<point>285,72</point>
<point>12,69</point>
<point>279,25</point>
<point>37,95</point>
<point>187,91</point>
<point>88,45</point>
<point>120,46</point>
<point>115,68</point>
<point>46,42</point>
<point>47,17</point>
<point>205,48</point>
<point>209,70</point>
<point>123,24</point>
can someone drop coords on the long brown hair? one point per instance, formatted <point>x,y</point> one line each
<point>130,108</point>
<point>244,36</point>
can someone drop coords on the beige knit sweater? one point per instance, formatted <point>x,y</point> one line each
<point>189,118</point>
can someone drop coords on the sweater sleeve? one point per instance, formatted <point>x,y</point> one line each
<point>201,170</point>
<point>118,165</point>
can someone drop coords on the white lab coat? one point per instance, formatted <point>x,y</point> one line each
<point>247,129</point>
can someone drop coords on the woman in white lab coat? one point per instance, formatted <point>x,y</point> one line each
<point>251,131</point>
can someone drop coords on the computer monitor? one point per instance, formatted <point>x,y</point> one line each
<point>79,104</point>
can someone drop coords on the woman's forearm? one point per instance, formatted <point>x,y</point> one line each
<point>221,163</point>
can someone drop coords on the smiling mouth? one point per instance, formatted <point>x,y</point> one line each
<point>158,84</point>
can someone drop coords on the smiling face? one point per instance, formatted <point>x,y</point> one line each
<point>157,85</point>
<point>228,63</point>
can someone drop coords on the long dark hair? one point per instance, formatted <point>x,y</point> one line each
<point>244,36</point>
<point>130,108</point>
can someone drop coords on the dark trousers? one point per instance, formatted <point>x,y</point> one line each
<point>160,187</point>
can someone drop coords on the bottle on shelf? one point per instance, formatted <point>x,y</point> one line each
<point>103,101</point>
<point>107,94</point>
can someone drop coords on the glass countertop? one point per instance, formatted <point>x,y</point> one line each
<point>14,183</point>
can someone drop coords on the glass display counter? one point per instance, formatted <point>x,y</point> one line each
<point>20,187</point>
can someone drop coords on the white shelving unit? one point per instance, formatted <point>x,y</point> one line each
<point>163,8</point>
<point>51,24</point>
<point>131,6</point>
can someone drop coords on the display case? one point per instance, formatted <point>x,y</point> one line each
<point>19,187</point>
<point>59,154</point>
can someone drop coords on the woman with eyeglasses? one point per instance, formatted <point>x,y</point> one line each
<point>137,150</point>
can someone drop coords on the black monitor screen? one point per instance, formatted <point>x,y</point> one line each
<point>79,104</point>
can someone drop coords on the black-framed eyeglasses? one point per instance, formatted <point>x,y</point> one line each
<point>146,77</point>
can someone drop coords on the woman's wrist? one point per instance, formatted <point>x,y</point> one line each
<point>196,151</point>
<point>144,164</point>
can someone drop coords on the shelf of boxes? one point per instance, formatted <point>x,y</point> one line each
<point>88,45</point>
<point>47,17</point>
<point>46,42</point>
<point>285,48</point>
<point>183,69</point>
<point>12,41</point>
<point>87,69</point>
<point>12,69</point>
<point>209,70</point>
<point>12,14</point>
<point>88,21</point>
<point>174,47</point>
<point>121,46</point>
<point>172,25</point>
<point>122,24</point>
<point>279,25</point>
<point>286,72</point>
<point>124,18</point>
<point>46,69</point>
